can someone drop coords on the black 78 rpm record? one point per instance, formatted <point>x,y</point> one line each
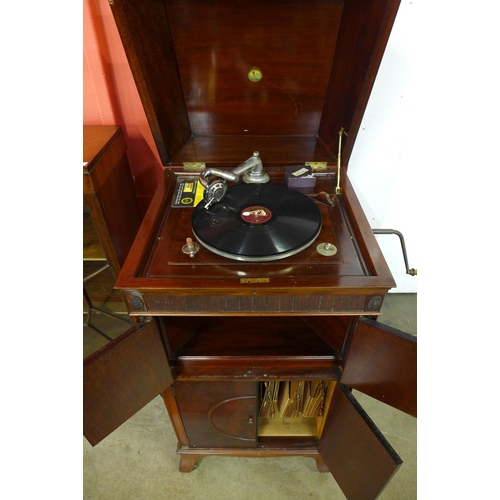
<point>257,222</point>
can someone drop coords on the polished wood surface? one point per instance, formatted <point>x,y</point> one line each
<point>160,279</point>
<point>222,415</point>
<point>121,378</point>
<point>318,60</point>
<point>381,361</point>
<point>289,48</point>
<point>257,347</point>
<point>332,329</point>
<point>109,193</point>
<point>363,35</point>
<point>96,140</point>
<point>354,450</point>
<point>144,28</point>
<point>168,260</point>
<point>229,151</point>
<point>220,336</point>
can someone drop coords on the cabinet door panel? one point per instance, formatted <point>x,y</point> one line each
<point>382,362</point>
<point>121,378</point>
<point>218,414</point>
<point>354,450</point>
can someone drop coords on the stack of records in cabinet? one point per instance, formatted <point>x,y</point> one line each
<point>291,398</point>
<point>314,399</point>
<point>269,405</point>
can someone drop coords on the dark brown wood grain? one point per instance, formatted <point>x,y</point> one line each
<point>253,348</point>
<point>224,329</point>
<point>168,396</point>
<point>121,378</point>
<point>230,151</point>
<point>145,32</point>
<point>356,453</point>
<point>190,61</point>
<point>218,43</point>
<point>381,361</point>
<point>362,37</point>
<point>331,329</point>
<point>173,283</point>
<point>96,141</point>
<point>109,191</point>
<point>220,415</point>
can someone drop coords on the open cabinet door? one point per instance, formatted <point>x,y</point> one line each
<point>354,450</point>
<point>381,362</point>
<point>123,377</point>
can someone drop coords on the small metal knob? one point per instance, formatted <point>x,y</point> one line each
<point>326,249</point>
<point>250,419</point>
<point>190,248</point>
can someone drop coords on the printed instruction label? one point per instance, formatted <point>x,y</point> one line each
<point>188,193</point>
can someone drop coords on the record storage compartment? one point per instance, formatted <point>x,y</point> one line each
<point>223,367</point>
<point>258,350</point>
<point>298,409</point>
<point>229,415</point>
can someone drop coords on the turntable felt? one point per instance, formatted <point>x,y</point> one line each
<point>258,222</point>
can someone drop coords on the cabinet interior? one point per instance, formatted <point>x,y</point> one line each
<point>281,357</point>
<point>293,408</point>
<point>253,348</point>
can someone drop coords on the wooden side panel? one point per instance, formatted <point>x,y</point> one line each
<point>121,210</point>
<point>331,329</point>
<point>145,32</point>
<point>356,453</point>
<point>121,378</point>
<point>109,191</point>
<point>363,35</point>
<point>382,362</point>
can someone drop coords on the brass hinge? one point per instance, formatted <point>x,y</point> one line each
<point>317,166</point>
<point>194,166</point>
<point>254,280</point>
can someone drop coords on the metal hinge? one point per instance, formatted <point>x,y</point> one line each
<point>317,166</point>
<point>194,166</point>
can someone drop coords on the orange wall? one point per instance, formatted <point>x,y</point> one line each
<point>110,96</point>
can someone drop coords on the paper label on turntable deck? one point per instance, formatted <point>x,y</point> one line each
<point>302,171</point>
<point>188,192</point>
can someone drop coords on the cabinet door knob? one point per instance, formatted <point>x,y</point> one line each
<point>250,419</point>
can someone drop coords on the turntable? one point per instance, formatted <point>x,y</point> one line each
<point>258,223</point>
<point>247,280</point>
<point>254,222</point>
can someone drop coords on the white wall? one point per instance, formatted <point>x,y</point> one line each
<point>383,165</point>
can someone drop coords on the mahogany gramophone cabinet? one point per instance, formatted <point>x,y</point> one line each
<point>255,279</point>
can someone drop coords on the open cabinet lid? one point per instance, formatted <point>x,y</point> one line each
<point>219,80</point>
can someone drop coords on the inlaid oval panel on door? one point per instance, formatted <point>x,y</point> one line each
<point>222,414</point>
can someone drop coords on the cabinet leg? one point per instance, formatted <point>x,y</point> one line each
<point>320,464</point>
<point>187,463</point>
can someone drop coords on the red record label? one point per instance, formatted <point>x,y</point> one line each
<point>256,214</point>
